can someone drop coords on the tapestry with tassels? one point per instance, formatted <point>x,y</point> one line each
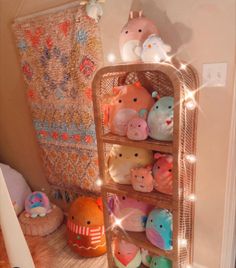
<point>59,54</point>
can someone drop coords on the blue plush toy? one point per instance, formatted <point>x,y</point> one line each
<point>160,262</point>
<point>159,228</point>
<point>160,119</point>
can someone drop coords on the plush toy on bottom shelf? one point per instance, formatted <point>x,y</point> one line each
<point>160,262</point>
<point>162,173</point>
<point>37,204</point>
<point>123,158</point>
<point>160,119</point>
<point>85,226</point>
<point>159,228</point>
<point>126,255</point>
<point>132,212</point>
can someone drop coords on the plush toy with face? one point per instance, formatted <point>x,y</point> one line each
<point>160,119</point>
<point>132,212</point>
<point>154,49</point>
<point>133,34</point>
<point>160,262</point>
<point>159,228</point>
<point>137,129</point>
<point>85,227</point>
<point>146,257</point>
<point>126,255</point>
<point>37,204</point>
<point>123,158</point>
<point>128,102</point>
<point>142,179</point>
<point>162,173</point>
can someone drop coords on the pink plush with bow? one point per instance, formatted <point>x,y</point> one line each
<point>142,179</point>
<point>137,129</point>
<point>162,173</point>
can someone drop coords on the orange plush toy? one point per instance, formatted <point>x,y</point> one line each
<point>85,227</point>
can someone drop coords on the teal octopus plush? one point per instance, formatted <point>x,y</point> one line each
<point>160,262</point>
<point>160,119</point>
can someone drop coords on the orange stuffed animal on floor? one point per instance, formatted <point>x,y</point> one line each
<point>85,226</point>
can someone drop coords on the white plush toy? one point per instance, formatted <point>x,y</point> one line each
<point>154,49</point>
<point>94,9</point>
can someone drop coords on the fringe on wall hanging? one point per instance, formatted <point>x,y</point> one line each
<point>60,53</point>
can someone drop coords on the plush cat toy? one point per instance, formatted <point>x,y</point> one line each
<point>128,102</point>
<point>123,158</point>
<point>133,34</point>
<point>162,173</point>
<point>160,119</point>
<point>142,179</point>
<point>132,212</point>
<point>85,226</point>
<point>126,255</point>
<point>137,129</point>
<point>160,262</point>
<point>159,228</point>
<point>37,204</point>
<point>154,49</point>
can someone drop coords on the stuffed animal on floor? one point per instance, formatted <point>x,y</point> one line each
<point>154,49</point>
<point>159,228</point>
<point>123,158</point>
<point>133,34</point>
<point>37,204</point>
<point>160,262</point>
<point>17,187</point>
<point>142,179</point>
<point>160,119</point>
<point>137,129</point>
<point>146,257</point>
<point>85,225</point>
<point>126,255</point>
<point>162,173</point>
<point>132,212</point>
<point>129,101</point>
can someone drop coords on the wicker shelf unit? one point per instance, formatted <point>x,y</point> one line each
<point>168,80</point>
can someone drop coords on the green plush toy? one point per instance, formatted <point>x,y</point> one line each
<point>160,262</point>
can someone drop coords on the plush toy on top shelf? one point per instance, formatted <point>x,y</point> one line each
<point>160,118</point>
<point>129,101</point>
<point>133,34</point>
<point>37,204</point>
<point>154,49</point>
<point>123,158</point>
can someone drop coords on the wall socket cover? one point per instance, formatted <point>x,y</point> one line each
<point>214,74</point>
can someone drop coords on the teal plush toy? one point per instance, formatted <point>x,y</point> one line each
<point>160,262</point>
<point>160,119</point>
<point>159,228</point>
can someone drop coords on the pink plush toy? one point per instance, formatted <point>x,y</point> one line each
<point>137,129</point>
<point>162,173</point>
<point>37,204</point>
<point>132,212</point>
<point>142,179</point>
<point>133,34</point>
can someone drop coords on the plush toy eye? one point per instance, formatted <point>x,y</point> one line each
<point>123,197</point>
<point>155,263</point>
<point>136,176</point>
<point>142,177</point>
<point>161,226</point>
<point>157,107</point>
<point>120,101</point>
<point>135,99</point>
<point>140,30</point>
<point>151,220</point>
<point>136,155</point>
<point>126,32</point>
<point>88,222</point>
<point>120,155</point>
<point>72,217</point>
<point>170,170</point>
<point>158,167</point>
<point>139,125</point>
<point>118,252</point>
<point>169,107</point>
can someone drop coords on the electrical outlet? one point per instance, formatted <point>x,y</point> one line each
<point>214,74</point>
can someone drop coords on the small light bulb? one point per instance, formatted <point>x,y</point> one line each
<point>117,222</point>
<point>190,105</point>
<point>183,242</point>
<point>111,57</point>
<point>191,158</point>
<point>168,58</point>
<point>189,266</point>
<point>99,182</point>
<point>183,66</point>
<point>191,197</point>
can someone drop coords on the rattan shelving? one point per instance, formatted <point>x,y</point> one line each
<point>168,80</point>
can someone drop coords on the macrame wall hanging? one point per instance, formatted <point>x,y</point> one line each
<point>60,53</point>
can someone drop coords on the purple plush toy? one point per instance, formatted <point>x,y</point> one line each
<point>137,129</point>
<point>37,204</point>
